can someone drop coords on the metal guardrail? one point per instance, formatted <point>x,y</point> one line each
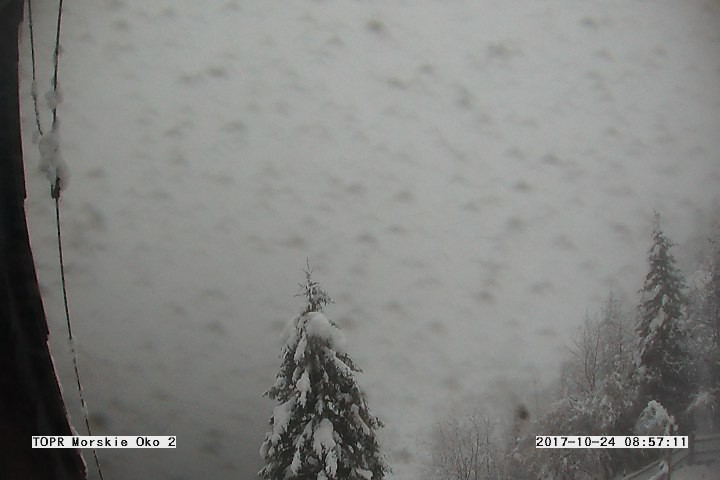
<point>706,450</point>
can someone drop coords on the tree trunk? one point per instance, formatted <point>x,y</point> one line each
<point>30,399</point>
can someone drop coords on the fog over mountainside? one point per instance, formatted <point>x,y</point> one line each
<point>466,178</point>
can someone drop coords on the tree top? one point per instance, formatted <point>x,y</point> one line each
<point>315,296</point>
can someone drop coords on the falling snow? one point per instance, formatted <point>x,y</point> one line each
<point>466,177</point>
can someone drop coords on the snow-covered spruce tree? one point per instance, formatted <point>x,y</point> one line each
<point>664,362</point>
<point>322,428</point>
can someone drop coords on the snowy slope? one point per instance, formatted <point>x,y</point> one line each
<point>466,177</point>
<point>697,472</point>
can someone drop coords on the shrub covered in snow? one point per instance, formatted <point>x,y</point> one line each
<point>655,420</point>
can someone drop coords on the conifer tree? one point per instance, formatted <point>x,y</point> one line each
<point>322,427</point>
<point>662,348</point>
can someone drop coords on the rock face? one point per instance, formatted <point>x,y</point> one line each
<point>30,399</point>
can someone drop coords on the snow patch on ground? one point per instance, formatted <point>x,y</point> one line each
<point>698,472</point>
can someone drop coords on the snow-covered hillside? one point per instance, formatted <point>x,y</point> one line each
<point>466,178</point>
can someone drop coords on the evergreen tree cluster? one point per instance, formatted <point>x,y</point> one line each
<point>651,373</point>
<point>654,371</point>
<point>651,370</point>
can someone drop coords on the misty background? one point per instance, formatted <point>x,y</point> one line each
<point>467,179</point>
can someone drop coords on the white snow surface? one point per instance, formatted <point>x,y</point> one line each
<point>319,326</point>
<point>367,474</point>
<point>323,440</point>
<point>313,324</point>
<point>697,472</point>
<point>281,417</point>
<point>465,177</point>
<point>51,160</point>
<point>303,386</point>
<point>300,348</point>
<point>325,446</point>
